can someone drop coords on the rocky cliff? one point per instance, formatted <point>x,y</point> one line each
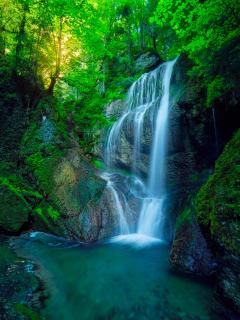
<point>216,208</point>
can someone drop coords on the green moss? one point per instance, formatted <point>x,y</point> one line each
<point>98,164</point>
<point>184,216</point>
<point>47,213</point>
<point>39,211</point>
<point>46,217</point>
<point>218,201</point>
<point>27,312</point>
<point>41,158</point>
<point>16,202</point>
<point>53,214</point>
<point>17,188</point>
<point>6,255</point>
<point>215,89</point>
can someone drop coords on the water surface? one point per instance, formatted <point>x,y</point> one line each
<point>113,281</point>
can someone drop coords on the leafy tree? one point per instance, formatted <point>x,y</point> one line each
<point>200,29</point>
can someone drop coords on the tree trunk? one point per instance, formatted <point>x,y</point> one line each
<point>19,46</point>
<point>56,75</point>
<point>142,42</point>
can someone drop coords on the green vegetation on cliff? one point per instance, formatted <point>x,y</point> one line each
<point>218,202</point>
<point>207,32</point>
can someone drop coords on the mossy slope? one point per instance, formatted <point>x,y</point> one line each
<point>217,204</point>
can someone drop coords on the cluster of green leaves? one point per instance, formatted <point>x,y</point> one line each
<point>200,29</point>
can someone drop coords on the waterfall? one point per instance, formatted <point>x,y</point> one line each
<point>148,98</point>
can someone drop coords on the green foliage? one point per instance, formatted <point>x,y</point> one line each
<point>215,89</point>
<point>53,213</point>
<point>201,29</point>
<point>41,158</point>
<point>46,212</point>
<point>15,202</point>
<point>184,216</point>
<point>218,201</point>
<point>17,188</point>
<point>98,164</point>
<point>82,51</point>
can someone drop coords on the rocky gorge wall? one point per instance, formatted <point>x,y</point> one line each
<point>191,147</point>
<point>216,210</point>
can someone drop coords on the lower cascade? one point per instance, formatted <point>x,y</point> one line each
<point>148,100</point>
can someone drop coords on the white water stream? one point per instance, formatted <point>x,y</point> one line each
<point>150,93</point>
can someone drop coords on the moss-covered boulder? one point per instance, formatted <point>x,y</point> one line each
<point>74,201</point>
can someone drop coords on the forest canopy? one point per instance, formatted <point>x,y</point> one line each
<point>83,51</point>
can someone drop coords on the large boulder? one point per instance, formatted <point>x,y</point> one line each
<point>147,62</point>
<point>115,108</point>
<point>89,212</point>
<point>190,252</point>
<point>74,198</point>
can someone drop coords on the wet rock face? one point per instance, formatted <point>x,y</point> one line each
<point>190,253</point>
<point>75,182</point>
<point>147,62</point>
<point>216,208</point>
<point>88,212</point>
<point>115,109</point>
<point>191,143</point>
<point>97,221</point>
<point>66,198</point>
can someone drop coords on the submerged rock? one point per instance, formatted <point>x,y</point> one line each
<point>21,291</point>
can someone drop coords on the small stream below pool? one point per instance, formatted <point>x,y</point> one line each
<point>112,281</point>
